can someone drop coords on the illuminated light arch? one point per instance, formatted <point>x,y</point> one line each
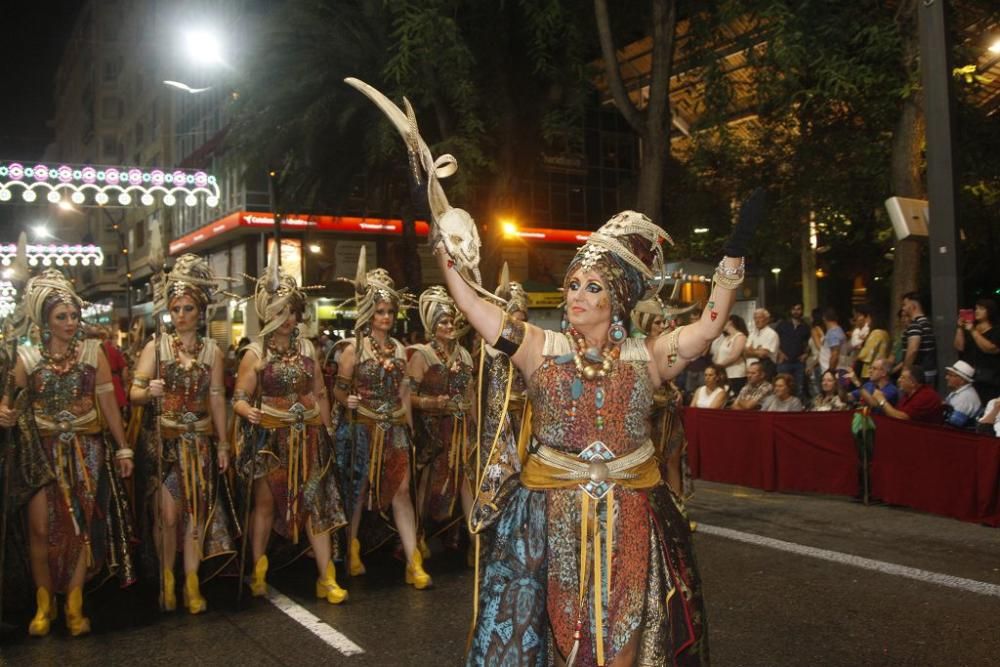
<point>40,257</point>
<point>120,186</point>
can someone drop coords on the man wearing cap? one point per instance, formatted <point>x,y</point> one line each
<point>963,400</point>
<point>919,403</point>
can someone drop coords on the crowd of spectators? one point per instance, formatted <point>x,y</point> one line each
<point>827,364</point>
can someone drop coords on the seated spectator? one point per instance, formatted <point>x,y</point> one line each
<point>831,394</point>
<point>879,380</point>
<point>991,418</point>
<point>713,393</point>
<point>756,390</point>
<point>783,399</point>
<point>963,402</point>
<point>919,402</point>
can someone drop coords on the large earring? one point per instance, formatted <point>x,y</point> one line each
<point>46,335</point>
<point>295,332</point>
<point>79,334</point>
<point>564,325</point>
<point>617,332</point>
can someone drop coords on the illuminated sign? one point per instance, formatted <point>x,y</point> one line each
<point>77,182</point>
<point>322,223</point>
<point>545,299</point>
<point>547,235</point>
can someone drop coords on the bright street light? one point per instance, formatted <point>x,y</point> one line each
<point>776,270</point>
<point>700,230</point>
<point>995,46</point>
<point>315,248</point>
<point>509,227</point>
<point>204,47</point>
<point>41,232</point>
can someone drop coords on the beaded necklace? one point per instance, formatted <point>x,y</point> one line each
<point>186,378</point>
<point>450,361</point>
<point>178,345</point>
<point>285,354</point>
<point>386,354</point>
<point>60,363</point>
<point>591,365</point>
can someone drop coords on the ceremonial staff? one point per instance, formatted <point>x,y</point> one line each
<point>157,263</point>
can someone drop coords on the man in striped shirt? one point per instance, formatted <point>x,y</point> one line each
<point>918,339</point>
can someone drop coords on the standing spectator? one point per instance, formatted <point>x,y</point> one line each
<point>919,403</point>
<point>831,396</point>
<point>978,342</point>
<point>875,343</point>
<point>991,418</point>
<point>728,352</point>
<point>757,388</point>
<point>963,403</point>
<point>713,393</point>
<point>793,346</point>
<point>899,346</point>
<point>783,399</point>
<point>817,330</point>
<point>920,350</point>
<point>762,343</point>
<point>833,354</point>
<point>879,380</point>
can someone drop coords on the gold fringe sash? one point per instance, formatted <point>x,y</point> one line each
<point>382,421</point>
<point>296,419</point>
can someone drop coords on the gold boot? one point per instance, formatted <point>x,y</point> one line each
<point>40,624</point>
<point>193,600</point>
<point>258,584</point>
<point>76,622</point>
<point>415,574</point>
<point>326,586</point>
<point>425,551</point>
<point>168,596</point>
<point>355,567</point>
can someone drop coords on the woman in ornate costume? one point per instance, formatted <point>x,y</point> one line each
<point>441,393</point>
<point>286,450</point>
<point>591,558</point>
<point>77,515</point>
<point>649,316</point>
<point>183,371</point>
<point>374,444</point>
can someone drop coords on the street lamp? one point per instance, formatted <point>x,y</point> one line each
<point>41,232</point>
<point>204,47</point>
<point>700,230</point>
<point>777,274</point>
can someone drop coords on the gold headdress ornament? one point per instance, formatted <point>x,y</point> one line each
<point>47,290</point>
<point>627,251</point>
<point>277,296</point>
<point>190,276</point>
<point>434,304</point>
<point>512,293</point>
<point>371,287</point>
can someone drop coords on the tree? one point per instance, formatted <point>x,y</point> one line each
<point>651,123</point>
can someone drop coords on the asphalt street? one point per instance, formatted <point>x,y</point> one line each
<point>789,580</point>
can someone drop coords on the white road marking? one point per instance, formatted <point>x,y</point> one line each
<point>971,585</point>
<point>314,624</point>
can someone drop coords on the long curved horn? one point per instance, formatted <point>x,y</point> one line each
<point>361,277</point>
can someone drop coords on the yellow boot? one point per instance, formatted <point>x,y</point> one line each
<point>415,574</point>
<point>168,596</point>
<point>76,622</point>
<point>355,567</point>
<point>258,583</point>
<point>40,624</point>
<point>326,586</point>
<point>193,600</point>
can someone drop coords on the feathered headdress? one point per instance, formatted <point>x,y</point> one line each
<point>371,287</point>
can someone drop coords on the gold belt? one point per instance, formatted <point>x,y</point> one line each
<point>382,421</point>
<point>596,471</point>
<point>188,425</point>
<point>66,424</point>
<point>297,417</point>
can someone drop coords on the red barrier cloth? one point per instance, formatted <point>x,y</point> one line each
<point>937,470</point>
<point>811,452</point>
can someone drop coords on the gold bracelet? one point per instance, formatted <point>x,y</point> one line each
<point>124,453</point>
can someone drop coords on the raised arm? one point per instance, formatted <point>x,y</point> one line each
<point>487,318</point>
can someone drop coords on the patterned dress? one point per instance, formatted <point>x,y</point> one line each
<point>63,454</point>
<point>189,469</point>
<point>444,438</point>
<point>292,451</point>
<point>374,445</point>
<point>530,588</point>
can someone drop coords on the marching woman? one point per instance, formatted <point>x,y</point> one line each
<point>649,316</point>
<point>374,444</point>
<point>591,548</point>
<point>77,514</point>
<point>286,451</point>
<point>441,392</point>
<point>187,451</point>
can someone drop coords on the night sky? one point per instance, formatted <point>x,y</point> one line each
<point>34,38</point>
